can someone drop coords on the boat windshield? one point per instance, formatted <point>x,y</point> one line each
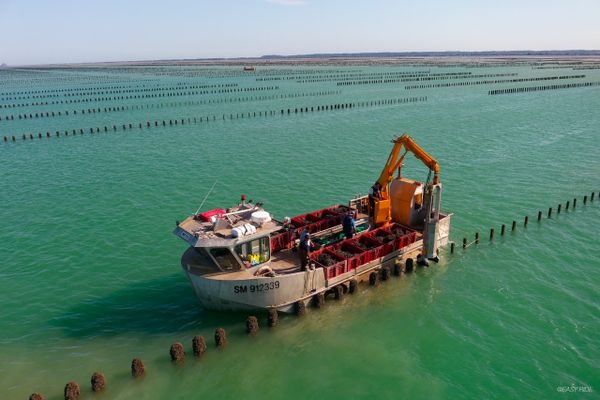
<point>255,251</point>
<point>225,259</point>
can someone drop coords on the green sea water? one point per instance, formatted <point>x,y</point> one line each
<point>89,269</point>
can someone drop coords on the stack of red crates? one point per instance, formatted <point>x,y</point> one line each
<point>403,237</point>
<point>315,221</point>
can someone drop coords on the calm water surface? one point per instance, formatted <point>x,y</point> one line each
<point>89,269</point>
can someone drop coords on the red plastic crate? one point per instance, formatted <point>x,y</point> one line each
<point>281,241</point>
<point>314,216</point>
<point>401,242</point>
<point>349,247</point>
<point>328,213</point>
<point>315,255</point>
<point>300,221</point>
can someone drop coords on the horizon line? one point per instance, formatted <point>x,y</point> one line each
<point>314,56</point>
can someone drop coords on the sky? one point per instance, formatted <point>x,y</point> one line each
<point>70,31</point>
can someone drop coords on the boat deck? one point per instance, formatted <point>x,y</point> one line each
<point>285,261</point>
<point>288,261</point>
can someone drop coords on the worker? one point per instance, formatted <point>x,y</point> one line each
<point>304,250</point>
<point>287,223</point>
<point>349,225</point>
<point>374,194</point>
<point>303,234</point>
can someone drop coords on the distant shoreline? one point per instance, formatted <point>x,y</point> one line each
<point>427,57</point>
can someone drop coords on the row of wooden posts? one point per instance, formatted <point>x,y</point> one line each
<point>95,110</point>
<point>177,353</point>
<point>148,96</point>
<point>102,91</point>
<point>465,242</point>
<point>195,120</point>
<point>376,76</point>
<point>338,75</point>
<point>492,82</point>
<point>420,79</point>
<point>540,88</point>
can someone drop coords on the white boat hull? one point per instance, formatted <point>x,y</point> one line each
<point>221,292</point>
<point>257,293</point>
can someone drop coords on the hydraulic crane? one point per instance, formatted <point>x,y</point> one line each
<point>411,203</point>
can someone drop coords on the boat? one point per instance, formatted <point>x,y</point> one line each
<point>242,258</point>
<point>249,68</point>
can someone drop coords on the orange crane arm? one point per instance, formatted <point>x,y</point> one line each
<point>395,160</point>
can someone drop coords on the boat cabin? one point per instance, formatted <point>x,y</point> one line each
<point>229,240</point>
<point>246,237</point>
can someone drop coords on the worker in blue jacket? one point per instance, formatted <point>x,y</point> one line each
<point>349,225</point>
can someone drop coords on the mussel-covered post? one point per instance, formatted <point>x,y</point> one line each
<point>353,286</point>
<point>98,382</point>
<point>198,345</point>
<point>300,308</point>
<point>137,368</point>
<point>220,338</point>
<point>410,263</point>
<point>72,391</point>
<point>319,300</point>
<point>273,318</point>
<point>177,352</point>
<point>252,325</point>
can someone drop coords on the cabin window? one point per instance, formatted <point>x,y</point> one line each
<point>225,258</point>
<point>203,262</point>
<point>254,252</point>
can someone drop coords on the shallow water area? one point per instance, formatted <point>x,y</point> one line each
<point>89,269</point>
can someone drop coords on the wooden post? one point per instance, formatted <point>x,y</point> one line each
<point>464,243</point>
<point>491,234</point>
<point>451,247</point>
<point>559,207</point>
<point>539,215</point>
<point>476,237</point>
<point>567,205</point>
<point>526,221</point>
<point>502,230</point>
<point>550,212</point>
<point>514,225</point>
<point>574,203</point>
